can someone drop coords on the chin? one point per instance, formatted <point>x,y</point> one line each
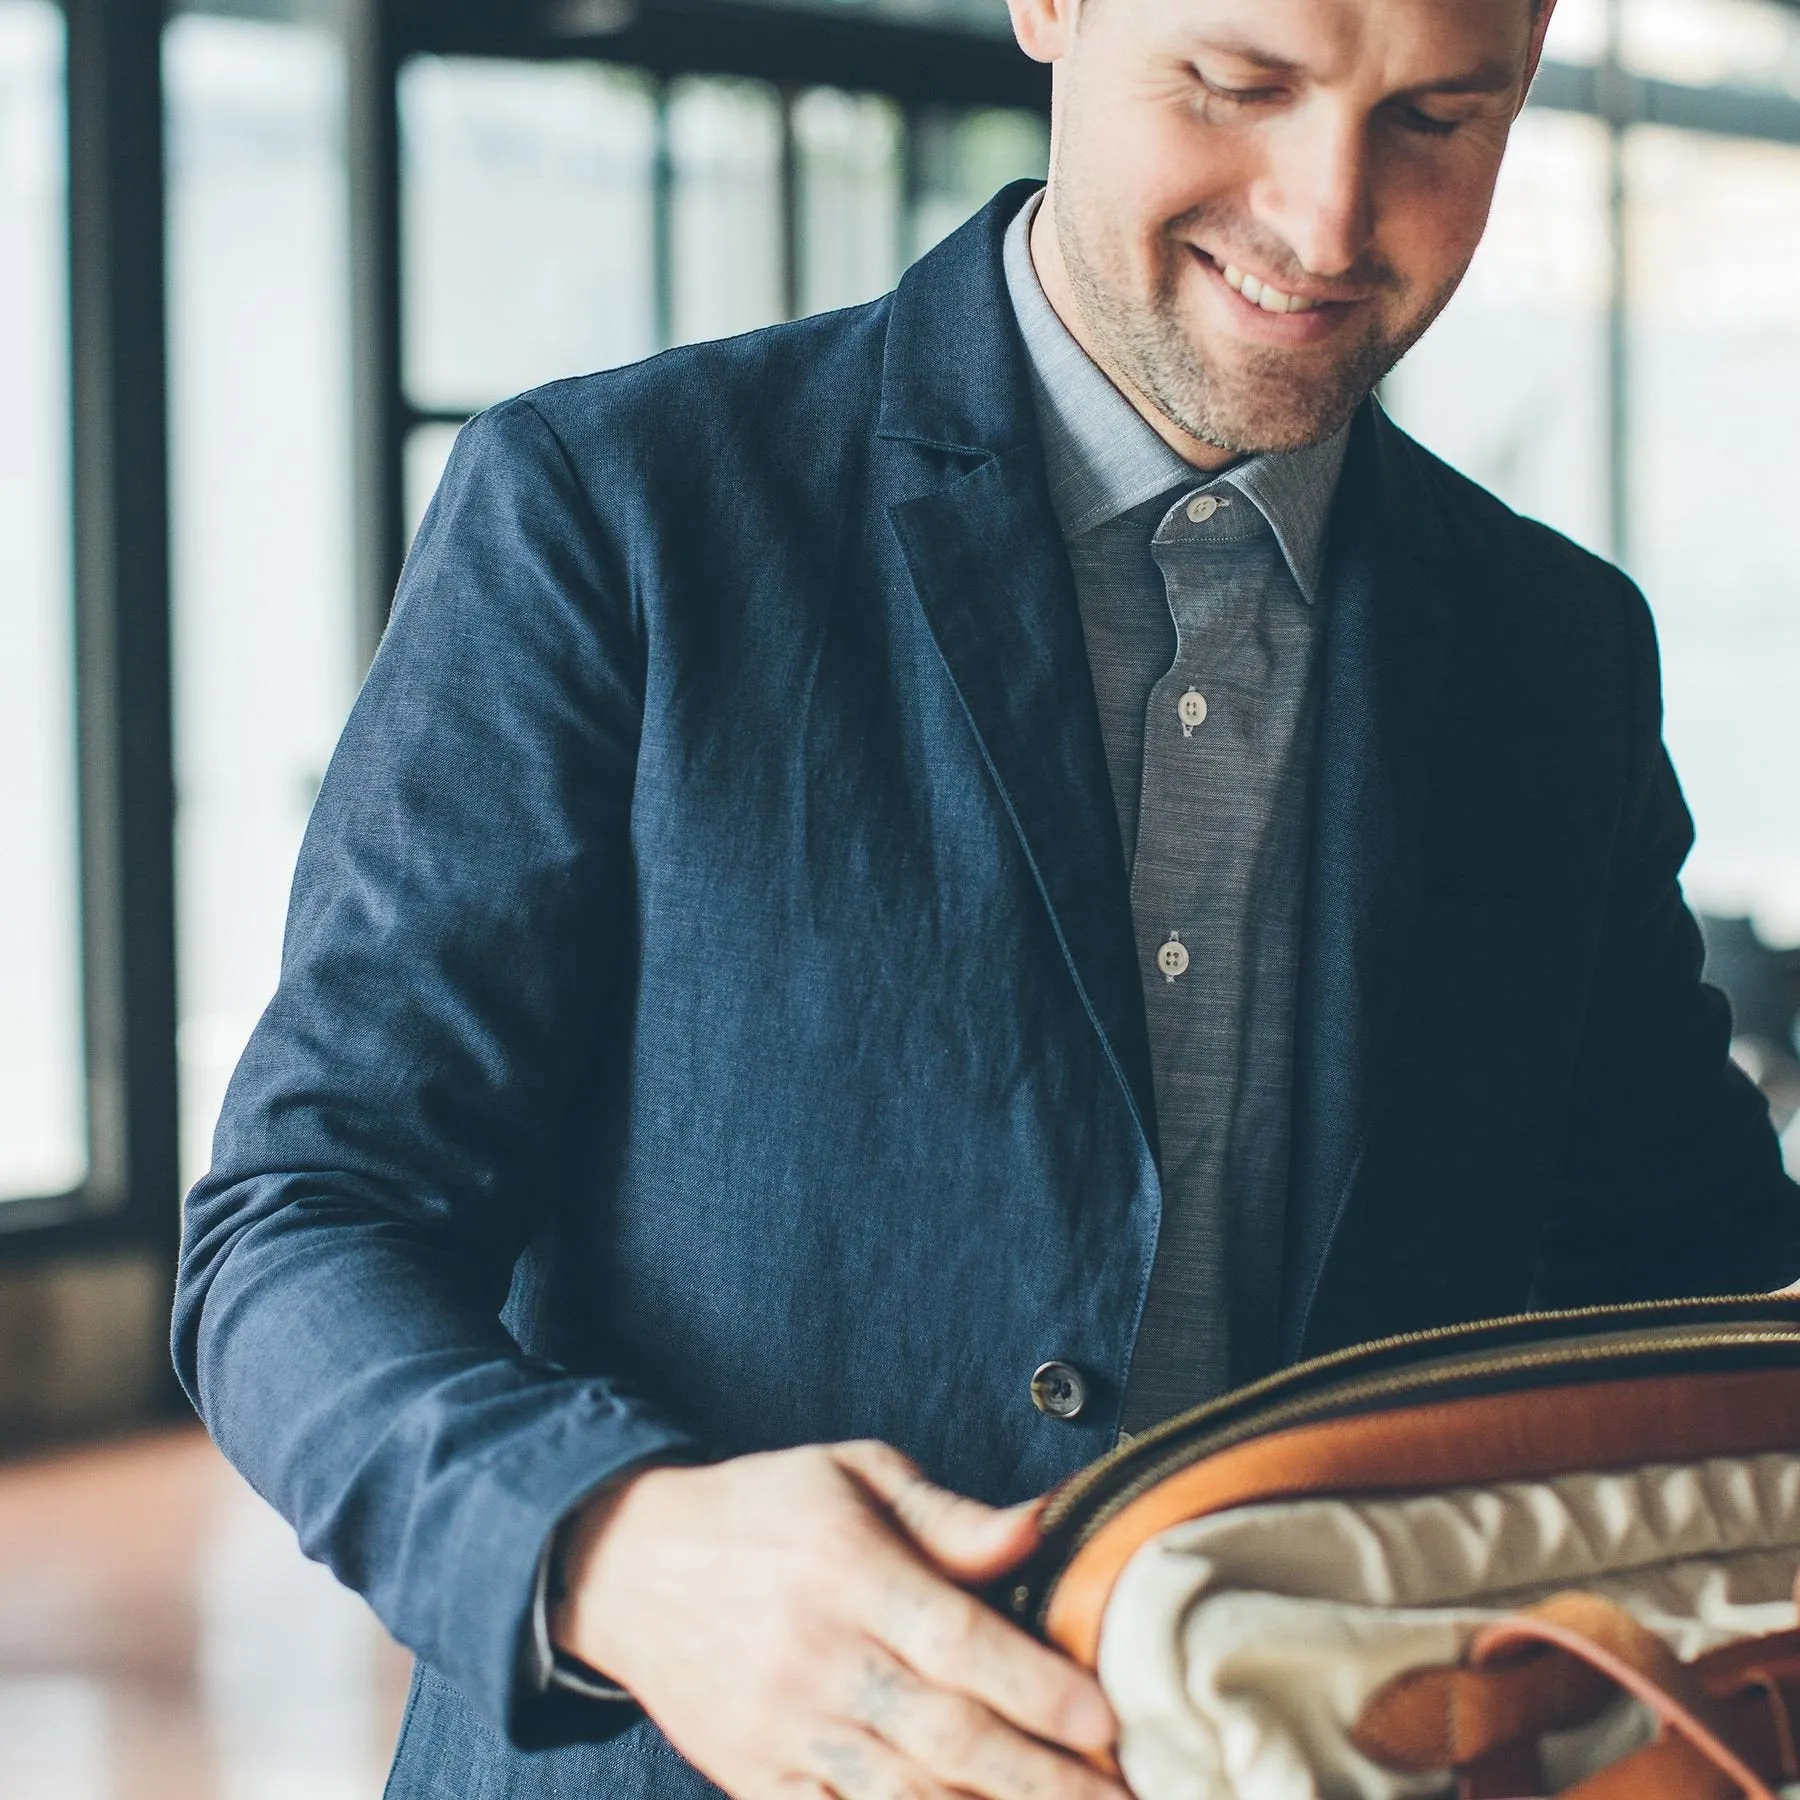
<point>1276,400</point>
<point>1258,418</point>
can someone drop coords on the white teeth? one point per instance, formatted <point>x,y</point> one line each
<point>1258,293</point>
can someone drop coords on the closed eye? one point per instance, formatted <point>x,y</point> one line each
<point>1426,126</point>
<point>1241,96</point>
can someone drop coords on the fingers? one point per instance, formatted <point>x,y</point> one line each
<point>968,1541</point>
<point>962,1745</point>
<point>854,1764</point>
<point>954,1642</point>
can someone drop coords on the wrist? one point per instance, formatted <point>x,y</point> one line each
<point>584,1547</point>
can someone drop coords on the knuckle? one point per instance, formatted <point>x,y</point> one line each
<point>906,1781</point>
<point>881,1696</point>
<point>955,1626</point>
<point>956,1733</point>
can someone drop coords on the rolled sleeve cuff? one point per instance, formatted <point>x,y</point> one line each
<point>543,1668</point>
<point>509,1519</point>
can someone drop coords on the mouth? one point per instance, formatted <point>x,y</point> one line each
<point>1264,295</point>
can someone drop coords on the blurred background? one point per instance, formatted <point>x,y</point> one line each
<point>259,259</point>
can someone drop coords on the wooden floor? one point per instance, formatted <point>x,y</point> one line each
<point>162,1638</point>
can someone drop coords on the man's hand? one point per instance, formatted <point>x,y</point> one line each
<point>796,1625</point>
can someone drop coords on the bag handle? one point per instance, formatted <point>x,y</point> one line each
<point>1556,1666</point>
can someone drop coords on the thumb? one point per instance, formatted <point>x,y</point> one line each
<point>968,1541</point>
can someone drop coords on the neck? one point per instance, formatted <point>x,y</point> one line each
<point>1053,276</point>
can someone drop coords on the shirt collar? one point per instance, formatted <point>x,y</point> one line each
<point>1103,459</point>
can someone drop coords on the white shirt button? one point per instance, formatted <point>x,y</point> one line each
<point>1202,507</point>
<point>1172,958</point>
<point>1191,709</point>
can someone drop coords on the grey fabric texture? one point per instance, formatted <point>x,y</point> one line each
<point>1204,590</point>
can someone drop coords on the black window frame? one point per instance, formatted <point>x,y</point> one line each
<point>125,800</point>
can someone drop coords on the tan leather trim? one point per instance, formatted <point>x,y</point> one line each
<point>1611,1640</point>
<point>1494,1437</point>
<point>1669,1769</point>
<point>1445,1716</point>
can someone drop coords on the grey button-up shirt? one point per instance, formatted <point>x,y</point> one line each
<point>1201,610</point>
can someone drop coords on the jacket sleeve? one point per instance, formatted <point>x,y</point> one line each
<point>1672,1180</point>
<point>393,1135</point>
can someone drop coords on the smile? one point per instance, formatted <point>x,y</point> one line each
<point>1259,293</point>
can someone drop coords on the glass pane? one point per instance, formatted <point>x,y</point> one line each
<point>527,208</point>
<point>1715,268</point>
<point>962,159</point>
<point>984,18</point>
<point>849,151</point>
<point>1510,384</point>
<point>427,453</point>
<point>725,153</point>
<point>43,1125</point>
<point>265,645</point>
<point>1577,32</point>
<point>1703,43</point>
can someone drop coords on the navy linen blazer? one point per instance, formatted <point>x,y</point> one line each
<point>709,1017</point>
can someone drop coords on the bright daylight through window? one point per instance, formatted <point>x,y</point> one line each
<point>265,651</point>
<point>43,1124</point>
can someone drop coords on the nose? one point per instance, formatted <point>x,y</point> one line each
<point>1315,191</point>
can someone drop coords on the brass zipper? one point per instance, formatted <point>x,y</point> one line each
<point>1683,1337</point>
<point>1072,1492</point>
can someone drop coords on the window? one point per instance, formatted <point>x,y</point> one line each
<point>563,217</point>
<point>849,223</point>
<point>264,632</point>
<point>1510,384</point>
<point>1749,44</point>
<point>43,1123</point>
<point>1713,228</point>
<point>527,225</point>
<point>727,165</point>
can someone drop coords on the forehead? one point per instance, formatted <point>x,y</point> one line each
<point>1398,43</point>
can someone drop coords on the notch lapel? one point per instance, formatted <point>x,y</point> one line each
<point>960,456</point>
<point>1382,679</point>
<point>993,579</point>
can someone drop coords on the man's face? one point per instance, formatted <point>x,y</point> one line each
<point>1260,205</point>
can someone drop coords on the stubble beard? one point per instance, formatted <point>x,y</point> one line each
<point>1269,399</point>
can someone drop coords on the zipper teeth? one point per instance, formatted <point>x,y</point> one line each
<point>1182,1427</point>
<point>1074,1492</point>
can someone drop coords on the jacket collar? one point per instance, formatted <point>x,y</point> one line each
<point>954,376</point>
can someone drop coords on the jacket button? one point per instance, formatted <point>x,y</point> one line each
<point>1058,1390</point>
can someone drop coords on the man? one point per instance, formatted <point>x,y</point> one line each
<point>915,890</point>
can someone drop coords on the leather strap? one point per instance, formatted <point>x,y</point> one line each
<point>1452,1716</point>
<point>1610,1640</point>
<point>1724,1722</point>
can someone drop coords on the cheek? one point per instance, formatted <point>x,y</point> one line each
<point>1430,216</point>
<point>1145,160</point>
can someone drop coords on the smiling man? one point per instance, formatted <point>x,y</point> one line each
<point>917,890</point>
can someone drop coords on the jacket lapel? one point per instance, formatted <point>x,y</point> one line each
<point>981,543</point>
<point>1382,681</point>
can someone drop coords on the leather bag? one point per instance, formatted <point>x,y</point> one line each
<point>1547,1554</point>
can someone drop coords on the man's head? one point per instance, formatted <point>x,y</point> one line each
<point>1256,207</point>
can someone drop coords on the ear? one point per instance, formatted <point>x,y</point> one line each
<point>1045,28</point>
<point>1540,28</point>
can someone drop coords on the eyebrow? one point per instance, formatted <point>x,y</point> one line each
<point>1485,78</point>
<point>1492,77</point>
